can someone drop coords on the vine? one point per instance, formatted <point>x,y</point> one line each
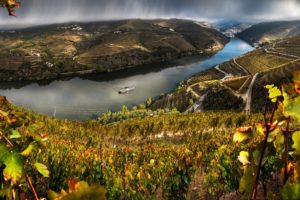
<point>20,140</point>
<point>273,154</point>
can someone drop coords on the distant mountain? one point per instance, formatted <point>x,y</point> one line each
<point>78,48</point>
<point>268,31</point>
<point>231,27</point>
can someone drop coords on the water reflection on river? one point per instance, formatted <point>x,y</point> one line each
<point>83,98</point>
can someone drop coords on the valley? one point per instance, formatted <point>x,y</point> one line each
<point>192,128</point>
<point>241,79</point>
<point>87,97</point>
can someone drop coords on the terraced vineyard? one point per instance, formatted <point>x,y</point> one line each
<point>211,74</point>
<point>155,157</point>
<point>231,68</point>
<point>237,83</point>
<point>259,61</point>
<point>181,100</point>
<point>275,76</point>
<point>275,63</point>
<point>290,46</point>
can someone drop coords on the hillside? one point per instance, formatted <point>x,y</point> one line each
<point>161,156</point>
<point>53,51</point>
<point>237,84</point>
<point>270,31</point>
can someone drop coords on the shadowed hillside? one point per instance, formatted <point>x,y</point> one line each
<point>269,31</point>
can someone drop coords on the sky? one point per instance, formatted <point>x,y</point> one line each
<point>57,11</point>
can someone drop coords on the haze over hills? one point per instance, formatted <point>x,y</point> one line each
<point>270,31</point>
<point>60,50</point>
<point>231,27</point>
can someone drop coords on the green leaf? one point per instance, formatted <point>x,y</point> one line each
<point>273,134</point>
<point>291,191</point>
<point>296,140</point>
<point>52,195</point>
<point>6,193</point>
<point>32,128</point>
<point>291,106</point>
<point>244,157</point>
<point>152,162</point>
<point>42,169</point>
<point>256,156</point>
<point>274,92</point>
<point>3,152</point>
<point>246,183</point>
<point>80,191</point>
<point>260,129</point>
<point>14,167</point>
<point>15,134</point>
<point>240,137</point>
<point>279,143</point>
<point>29,149</point>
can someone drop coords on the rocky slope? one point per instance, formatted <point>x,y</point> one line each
<point>53,51</point>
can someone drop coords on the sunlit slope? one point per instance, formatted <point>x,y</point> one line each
<point>81,48</point>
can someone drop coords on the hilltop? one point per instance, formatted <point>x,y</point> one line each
<point>270,31</point>
<point>52,51</point>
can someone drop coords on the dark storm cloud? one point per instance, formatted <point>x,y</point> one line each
<point>49,11</point>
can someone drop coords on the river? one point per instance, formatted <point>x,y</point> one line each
<point>86,97</point>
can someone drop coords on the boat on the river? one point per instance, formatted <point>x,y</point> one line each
<point>126,90</point>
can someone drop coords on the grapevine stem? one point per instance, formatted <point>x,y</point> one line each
<point>6,139</point>
<point>268,126</point>
<point>286,134</point>
<point>31,187</point>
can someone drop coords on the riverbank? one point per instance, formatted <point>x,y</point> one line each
<point>89,96</point>
<point>75,49</point>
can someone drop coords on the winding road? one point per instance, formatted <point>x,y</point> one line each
<point>227,75</point>
<point>248,95</point>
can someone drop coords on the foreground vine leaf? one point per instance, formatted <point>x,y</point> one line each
<point>28,150</point>
<point>292,106</point>
<point>242,134</point>
<point>15,134</point>
<point>274,92</point>
<point>256,156</point>
<point>296,140</point>
<point>14,167</point>
<point>244,157</point>
<point>3,152</point>
<point>79,190</point>
<point>246,182</point>
<point>291,191</point>
<point>42,169</point>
